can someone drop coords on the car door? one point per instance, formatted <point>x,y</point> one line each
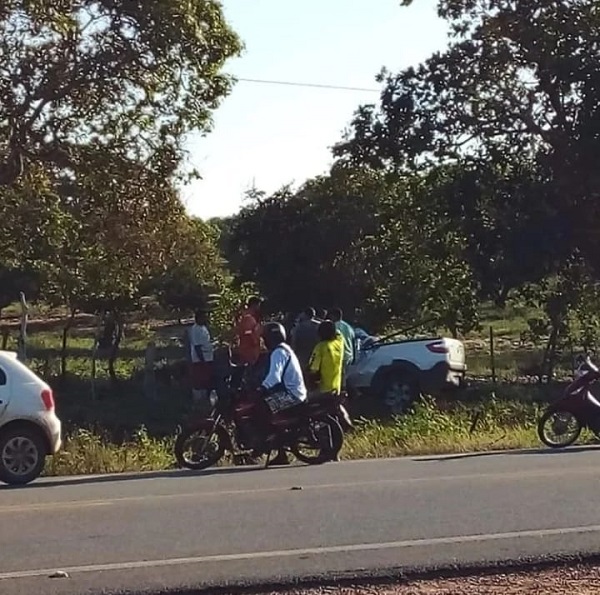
<point>4,391</point>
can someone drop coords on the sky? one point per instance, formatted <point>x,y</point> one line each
<point>267,135</point>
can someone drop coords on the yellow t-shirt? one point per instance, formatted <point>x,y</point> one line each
<point>326,360</point>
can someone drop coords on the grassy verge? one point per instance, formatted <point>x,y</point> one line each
<point>431,430</point>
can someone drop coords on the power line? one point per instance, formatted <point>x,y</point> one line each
<point>314,85</point>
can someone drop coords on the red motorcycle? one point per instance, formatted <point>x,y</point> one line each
<point>310,430</point>
<point>562,422</point>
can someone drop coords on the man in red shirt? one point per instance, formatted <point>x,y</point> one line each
<point>248,332</point>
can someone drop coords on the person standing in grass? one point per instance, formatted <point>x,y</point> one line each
<point>327,359</point>
<point>305,336</point>
<point>349,337</point>
<point>248,332</point>
<point>202,356</point>
<point>326,362</point>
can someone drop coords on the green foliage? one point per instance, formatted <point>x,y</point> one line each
<point>361,240</point>
<point>87,452</point>
<point>126,79</point>
<point>96,99</point>
<point>568,305</point>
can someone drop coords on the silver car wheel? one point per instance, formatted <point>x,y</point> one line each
<point>20,455</point>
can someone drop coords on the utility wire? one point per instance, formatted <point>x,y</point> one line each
<point>314,85</point>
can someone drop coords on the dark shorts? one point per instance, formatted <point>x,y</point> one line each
<point>202,375</point>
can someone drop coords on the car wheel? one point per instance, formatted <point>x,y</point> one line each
<point>399,392</point>
<point>22,456</point>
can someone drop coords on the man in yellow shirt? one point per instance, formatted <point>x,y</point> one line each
<point>326,363</point>
<point>327,359</point>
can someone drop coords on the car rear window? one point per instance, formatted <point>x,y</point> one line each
<point>2,377</point>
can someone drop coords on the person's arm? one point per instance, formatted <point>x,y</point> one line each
<point>276,366</point>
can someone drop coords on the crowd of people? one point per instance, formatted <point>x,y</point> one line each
<point>313,360</point>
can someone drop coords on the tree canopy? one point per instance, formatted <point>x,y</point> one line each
<point>96,100</point>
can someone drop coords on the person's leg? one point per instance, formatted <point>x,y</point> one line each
<point>344,374</point>
<point>201,400</point>
<point>276,404</point>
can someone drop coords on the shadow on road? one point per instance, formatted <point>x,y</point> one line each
<point>531,451</point>
<point>96,479</point>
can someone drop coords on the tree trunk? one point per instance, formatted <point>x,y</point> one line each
<point>4,332</point>
<point>22,349</point>
<point>549,359</point>
<point>114,350</point>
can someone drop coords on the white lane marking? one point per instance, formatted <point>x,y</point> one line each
<point>149,498</point>
<point>336,549</point>
<point>66,505</point>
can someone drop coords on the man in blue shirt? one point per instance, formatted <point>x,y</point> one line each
<point>347,332</point>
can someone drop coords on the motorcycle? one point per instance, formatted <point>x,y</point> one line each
<point>234,426</point>
<point>562,421</point>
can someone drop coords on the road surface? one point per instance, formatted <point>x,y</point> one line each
<point>183,529</point>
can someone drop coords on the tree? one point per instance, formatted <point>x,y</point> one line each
<point>414,265</point>
<point>194,268</point>
<point>130,78</point>
<point>503,213</point>
<point>362,240</point>
<point>292,244</point>
<point>517,78</point>
<point>518,86</point>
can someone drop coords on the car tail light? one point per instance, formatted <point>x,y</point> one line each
<point>437,347</point>
<point>48,399</point>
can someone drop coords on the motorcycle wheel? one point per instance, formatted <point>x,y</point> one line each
<point>323,437</point>
<point>199,449</point>
<point>559,429</point>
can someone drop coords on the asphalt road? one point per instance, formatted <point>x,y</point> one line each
<point>171,530</point>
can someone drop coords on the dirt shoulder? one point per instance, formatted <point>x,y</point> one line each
<point>575,580</point>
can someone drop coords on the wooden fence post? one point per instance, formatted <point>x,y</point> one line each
<point>492,356</point>
<point>22,343</point>
<point>95,348</point>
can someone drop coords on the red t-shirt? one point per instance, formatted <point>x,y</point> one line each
<point>248,331</point>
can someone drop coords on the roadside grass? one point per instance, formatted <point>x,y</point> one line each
<point>432,429</point>
<point>88,452</point>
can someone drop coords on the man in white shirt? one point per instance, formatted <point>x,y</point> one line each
<point>284,383</point>
<point>283,386</point>
<point>202,355</point>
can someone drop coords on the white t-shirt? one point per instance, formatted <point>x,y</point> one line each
<point>200,337</point>
<point>290,376</point>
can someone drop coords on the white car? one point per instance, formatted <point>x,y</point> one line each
<point>29,427</point>
<point>396,372</point>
